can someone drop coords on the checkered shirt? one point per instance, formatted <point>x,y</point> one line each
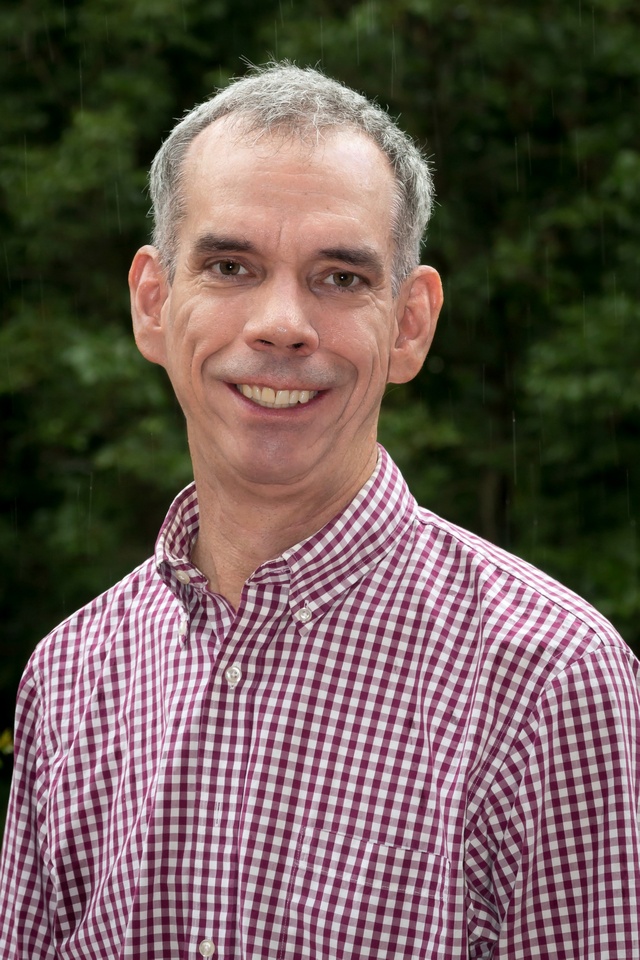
<point>404,744</point>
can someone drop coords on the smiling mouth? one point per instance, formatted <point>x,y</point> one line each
<point>268,397</point>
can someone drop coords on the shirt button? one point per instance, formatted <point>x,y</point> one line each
<point>207,947</point>
<point>233,675</point>
<point>304,615</point>
<point>183,576</point>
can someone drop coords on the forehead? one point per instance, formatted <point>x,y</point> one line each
<point>341,172</point>
<point>233,137</point>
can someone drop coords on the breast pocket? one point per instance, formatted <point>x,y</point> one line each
<point>352,898</point>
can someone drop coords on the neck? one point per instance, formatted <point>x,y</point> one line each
<point>241,529</point>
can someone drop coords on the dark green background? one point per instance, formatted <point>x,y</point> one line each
<point>524,423</point>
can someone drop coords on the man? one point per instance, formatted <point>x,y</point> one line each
<point>320,722</point>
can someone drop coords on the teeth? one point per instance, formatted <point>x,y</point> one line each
<point>267,397</point>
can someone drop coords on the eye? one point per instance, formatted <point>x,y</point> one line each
<point>343,279</point>
<point>228,268</point>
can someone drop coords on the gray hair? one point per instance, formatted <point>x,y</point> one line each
<point>299,101</point>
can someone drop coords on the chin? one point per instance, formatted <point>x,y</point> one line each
<point>273,463</point>
<point>272,475</point>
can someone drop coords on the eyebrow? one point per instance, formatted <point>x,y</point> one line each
<point>356,257</point>
<point>218,243</point>
<point>364,256</point>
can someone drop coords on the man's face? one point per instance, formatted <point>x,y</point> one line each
<point>279,331</point>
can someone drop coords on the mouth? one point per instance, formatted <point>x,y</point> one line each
<point>268,397</point>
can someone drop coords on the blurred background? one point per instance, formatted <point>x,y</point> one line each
<point>524,424</point>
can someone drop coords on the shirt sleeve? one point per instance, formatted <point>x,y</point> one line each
<point>24,883</point>
<point>565,867</point>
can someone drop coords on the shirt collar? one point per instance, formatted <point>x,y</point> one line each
<point>319,567</point>
<point>347,547</point>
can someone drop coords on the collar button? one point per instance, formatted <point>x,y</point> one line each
<point>304,615</point>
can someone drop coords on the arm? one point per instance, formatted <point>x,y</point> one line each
<point>24,883</point>
<point>570,858</point>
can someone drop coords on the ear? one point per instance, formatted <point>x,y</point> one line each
<point>149,290</point>
<point>418,307</point>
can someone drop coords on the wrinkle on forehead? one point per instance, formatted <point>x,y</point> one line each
<point>307,141</point>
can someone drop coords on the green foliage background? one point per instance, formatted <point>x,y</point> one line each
<point>524,423</point>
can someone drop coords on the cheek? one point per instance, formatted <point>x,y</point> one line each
<point>195,334</point>
<point>359,338</point>
<point>371,353</point>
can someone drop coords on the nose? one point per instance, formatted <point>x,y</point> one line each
<point>279,322</point>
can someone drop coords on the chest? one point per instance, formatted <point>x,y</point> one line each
<point>280,770</point>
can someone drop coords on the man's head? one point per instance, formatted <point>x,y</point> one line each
<point>278,298</point>
<point>303,103</point>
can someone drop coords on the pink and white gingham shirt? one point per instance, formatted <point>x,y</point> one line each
<point>405,744</point>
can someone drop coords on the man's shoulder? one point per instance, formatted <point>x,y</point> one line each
<point>129,608</point>
<point>508,597</point>
<point>104,617</point>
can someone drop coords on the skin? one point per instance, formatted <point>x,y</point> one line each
<point>282,280</point>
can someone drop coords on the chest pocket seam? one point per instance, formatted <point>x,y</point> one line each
<point>352,876</point>
<point>350,864</point>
